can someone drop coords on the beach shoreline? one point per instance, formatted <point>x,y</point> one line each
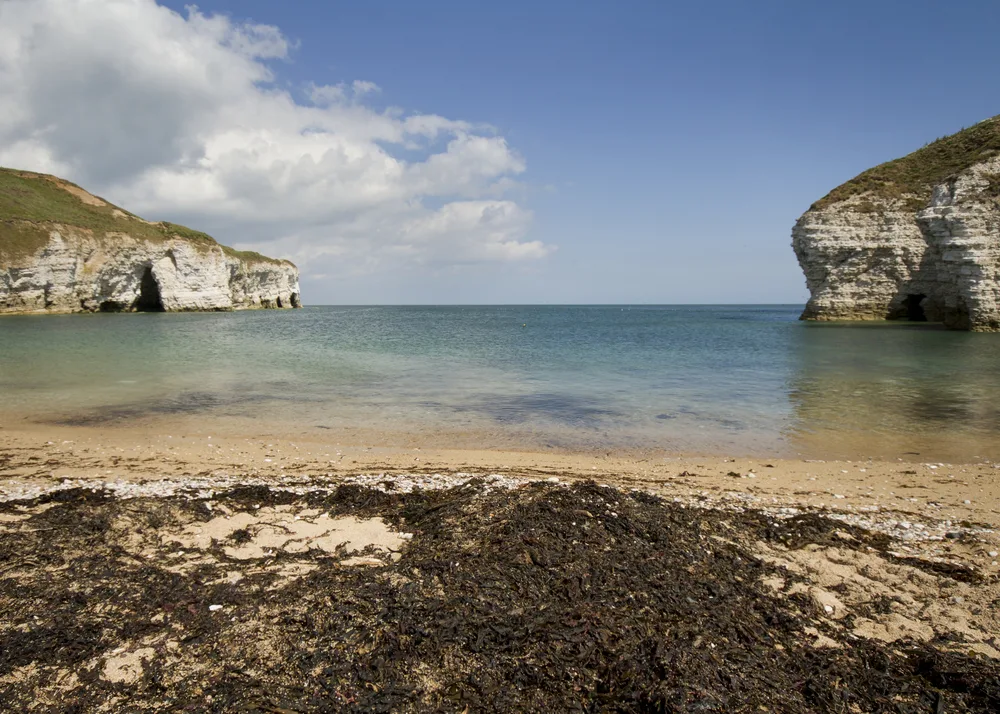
<point>36,455</point>
<point>899,556</point>
<point>947,512</point>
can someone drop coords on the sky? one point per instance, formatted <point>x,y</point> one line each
<point>443,152</point>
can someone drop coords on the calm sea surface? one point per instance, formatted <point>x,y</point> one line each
<point>711,379</point>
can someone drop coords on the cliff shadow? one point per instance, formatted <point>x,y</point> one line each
<point>925,297</point>
<point>913,307</point>
<point>150,299</point>
<point>921,298</point>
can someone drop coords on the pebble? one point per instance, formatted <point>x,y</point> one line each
<point>214,608</point>
<point>206,487</point>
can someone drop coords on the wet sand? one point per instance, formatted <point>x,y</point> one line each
<point>37,456</point>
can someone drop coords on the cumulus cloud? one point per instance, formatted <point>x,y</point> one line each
<point>185,117</point>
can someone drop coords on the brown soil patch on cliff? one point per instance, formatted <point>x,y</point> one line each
<point>85,196</point>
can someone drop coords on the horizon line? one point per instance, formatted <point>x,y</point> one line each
<point>561,304</point>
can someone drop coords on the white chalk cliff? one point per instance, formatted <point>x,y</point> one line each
<point>95,257</point>
<point>917,238</point>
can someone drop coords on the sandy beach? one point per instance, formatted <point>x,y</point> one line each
<point>39,457</point>
<point>885,554</point>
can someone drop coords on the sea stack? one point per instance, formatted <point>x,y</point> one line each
<point>917,238</point>
<point>63,250</point>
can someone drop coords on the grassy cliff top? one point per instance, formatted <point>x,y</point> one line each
<point>30,203</point>
<point>913,176</point>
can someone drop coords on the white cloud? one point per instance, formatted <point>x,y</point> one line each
<point>361,87</point>
<point>183,117</point>
<point>459,233</point>
<point>325,95</point>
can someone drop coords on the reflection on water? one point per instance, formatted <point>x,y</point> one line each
<point>732,379</point>
<point>896,390</point>
<point>562,409</point>
<point>185,403</point>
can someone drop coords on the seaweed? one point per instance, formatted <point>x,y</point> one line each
<point>541,598</point>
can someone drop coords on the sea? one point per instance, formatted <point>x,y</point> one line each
<point>682,379</point>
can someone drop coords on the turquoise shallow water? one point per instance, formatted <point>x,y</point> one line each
<point>730,379</point>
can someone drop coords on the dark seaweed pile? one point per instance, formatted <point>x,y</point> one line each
<point>542,599</point>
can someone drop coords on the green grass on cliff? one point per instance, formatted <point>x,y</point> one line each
<point>912,177</point>
<point>31,203</point>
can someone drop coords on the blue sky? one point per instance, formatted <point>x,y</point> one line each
<point>667,148</point>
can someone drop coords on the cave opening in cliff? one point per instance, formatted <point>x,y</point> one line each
<point>150,299</point>
<point>295,300</point>
<point>914,308</point>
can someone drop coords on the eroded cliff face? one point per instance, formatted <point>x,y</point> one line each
<point>912,256</point>
<point>63,249</point>
<point>76,272</point>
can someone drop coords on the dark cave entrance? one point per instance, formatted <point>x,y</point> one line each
<point>295,300</point>
<point>149,293</point>
<point>914,309</point>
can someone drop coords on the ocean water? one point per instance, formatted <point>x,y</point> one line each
<point>694,379</point>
